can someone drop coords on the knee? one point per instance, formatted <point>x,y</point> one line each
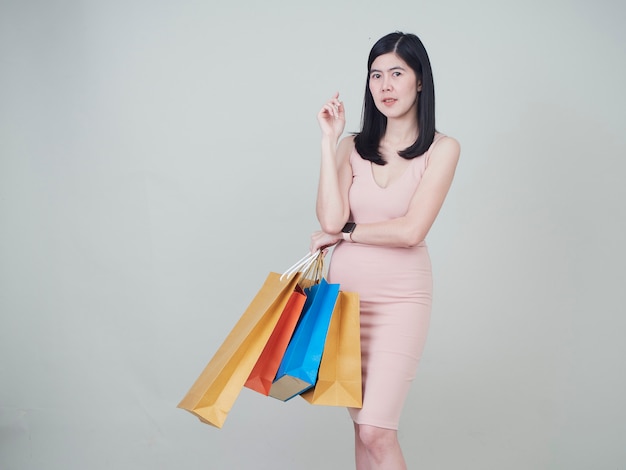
<point>377,441</point>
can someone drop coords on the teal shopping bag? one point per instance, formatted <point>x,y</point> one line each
<point>300,363</point>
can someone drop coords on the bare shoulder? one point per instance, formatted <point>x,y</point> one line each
<point>446,148</point>
<point>448,145</point>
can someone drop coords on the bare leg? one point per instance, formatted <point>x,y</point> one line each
<point>362,460</point>
<point>377,448</point>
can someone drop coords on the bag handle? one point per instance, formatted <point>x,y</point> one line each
<point>315,270</point>
<point>302,265</point>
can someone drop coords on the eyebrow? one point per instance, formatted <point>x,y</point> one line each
<point>397,67</point>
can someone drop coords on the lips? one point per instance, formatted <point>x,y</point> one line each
<point>389,101</point>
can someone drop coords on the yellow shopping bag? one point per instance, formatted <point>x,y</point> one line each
<point>339,381</point>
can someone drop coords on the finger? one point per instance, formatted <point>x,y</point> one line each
<point>326,108</point>
<point>337,108</point>
<point>335,103</point>
<point>315,246</point>
<point>332,110</point>
<point>326,112</point>
<point>340,109</point>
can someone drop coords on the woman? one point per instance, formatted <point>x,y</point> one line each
<point>379,193</point>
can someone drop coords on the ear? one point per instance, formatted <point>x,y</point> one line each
<point>419,85</point>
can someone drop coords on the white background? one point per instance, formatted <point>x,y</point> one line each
<point>159,158</point>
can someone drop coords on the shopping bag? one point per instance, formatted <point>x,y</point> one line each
<point>214,392</point>
<point>339,380</point>
<point>298,369</point>
<point>265,369</point>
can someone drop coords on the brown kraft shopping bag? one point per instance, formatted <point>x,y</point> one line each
<point>214,392</point>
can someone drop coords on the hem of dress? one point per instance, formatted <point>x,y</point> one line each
<point>376,424</point>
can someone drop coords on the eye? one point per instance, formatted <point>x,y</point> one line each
<point>375,76</point>
<point>397,73</point>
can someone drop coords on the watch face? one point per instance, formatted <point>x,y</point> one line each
<point>349,227</point>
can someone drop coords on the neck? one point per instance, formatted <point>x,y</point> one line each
<point>401,132</point>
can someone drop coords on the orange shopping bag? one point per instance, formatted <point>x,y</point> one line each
<point>264,371</point>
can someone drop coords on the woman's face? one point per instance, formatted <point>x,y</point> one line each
<point>394,86</point>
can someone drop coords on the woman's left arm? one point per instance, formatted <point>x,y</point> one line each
<point>412,228</point>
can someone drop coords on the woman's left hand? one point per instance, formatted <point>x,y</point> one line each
<point>322,240</point>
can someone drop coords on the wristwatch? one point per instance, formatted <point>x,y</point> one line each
<point>346,231</point>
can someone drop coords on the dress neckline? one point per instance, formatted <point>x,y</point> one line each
<point>437,136</point>
<point>394,181</point>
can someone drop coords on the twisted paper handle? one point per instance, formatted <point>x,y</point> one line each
<point>302,265</point>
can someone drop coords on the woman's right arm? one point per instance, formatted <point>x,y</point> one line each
<point>333,208</point>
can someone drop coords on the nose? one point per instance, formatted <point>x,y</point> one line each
<point>386,85</point>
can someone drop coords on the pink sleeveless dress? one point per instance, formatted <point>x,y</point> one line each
<point>395,288</point>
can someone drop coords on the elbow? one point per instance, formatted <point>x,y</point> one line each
<point>331,223</point>
<point>329,226</point>
<point>413,239</point>
<point>412,232</point>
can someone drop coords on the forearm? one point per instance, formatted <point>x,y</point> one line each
<point>400,232</point>
<point>331,209</point>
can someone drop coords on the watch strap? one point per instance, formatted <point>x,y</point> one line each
<point>346,231</point>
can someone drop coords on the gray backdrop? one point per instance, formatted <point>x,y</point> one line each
<point>159,158</point>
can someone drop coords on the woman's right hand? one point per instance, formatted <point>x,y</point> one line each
<point>321,240</point>
<point>332,117</point>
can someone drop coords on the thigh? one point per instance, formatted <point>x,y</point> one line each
<point>392,340</point>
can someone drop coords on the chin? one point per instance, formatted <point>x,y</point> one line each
<point>392,115</point>
<point>395,113</point>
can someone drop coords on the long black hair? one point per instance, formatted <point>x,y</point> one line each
<point>373,123</point>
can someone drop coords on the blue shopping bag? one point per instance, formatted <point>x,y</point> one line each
<point>300,364</point>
